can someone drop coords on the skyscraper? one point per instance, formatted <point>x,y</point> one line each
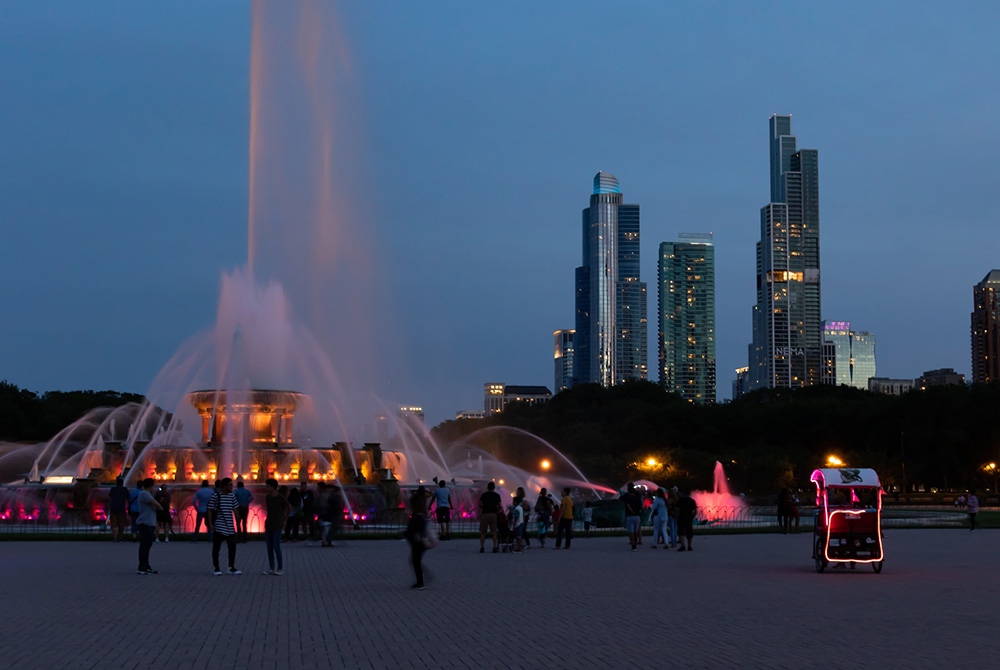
<point>610,338</point>
<point>564,355</point>
<point>850,360</point>
<point>986,329</point>
<point>687,317</point>
<point>787,348</point>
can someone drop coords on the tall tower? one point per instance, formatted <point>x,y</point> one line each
<point>787,348</point>
<point>564,355</point>
<point>610,338</point>
<point>986,329</point>
<point>850,360</point>
<point>687,317</point>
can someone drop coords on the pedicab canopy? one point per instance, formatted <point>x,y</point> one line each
<point>845,478</point>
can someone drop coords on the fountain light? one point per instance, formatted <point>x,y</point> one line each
<point>546,465</point>
<point>833,461</point>
<point>651,462</point>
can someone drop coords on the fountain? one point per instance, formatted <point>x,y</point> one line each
<point>720,505</point>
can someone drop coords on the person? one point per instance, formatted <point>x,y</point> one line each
<point>162,498</point>
<point>442,510</point>
<point>633,512</point>
<point>118,509</point>
<point>565,519</point>
<point>588,517</point>
<point>145,520</point>
<point>972,507</point>
<point>133,509</point>
<point>276,509</point>
<point>414,534</point>
<point>687,508</point>
<point>793,511</point>
<point>784,510</point>
<point>294,516</point>
<point>659,516</point>
<point>489,506</point>
<point>243,497</point>
<point>672,516</point>
<point>543,513</point>
<point>517,523</point>
<point>222,510</point>
<point>308,516</point>
<point>526,506</point>
<point>200,503</point>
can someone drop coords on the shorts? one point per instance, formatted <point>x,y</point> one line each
<point>632,524</point>
<point>519,531</point>
<point>685,528</point>
<point>443,514</point>
<point>586,525</point>
<point>488,522</point>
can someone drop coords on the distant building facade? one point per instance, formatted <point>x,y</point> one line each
<point>849,357</point>
<point>408,412</point>
<point>498,395</point>
<point>986,329</point>
<point>686,317</point>
<point>741,383</point>
<point>787,347</point>
<point>470,414</point>
<point>564,354</point>
<point>887,386</point>
<point>940,377</point>
<point>610,337</point>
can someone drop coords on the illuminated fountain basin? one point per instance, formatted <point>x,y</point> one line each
<point>719,506</point>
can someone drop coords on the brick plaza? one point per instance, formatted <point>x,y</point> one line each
<point>736,601</point>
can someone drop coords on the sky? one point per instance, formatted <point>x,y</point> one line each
<point>468,135</point>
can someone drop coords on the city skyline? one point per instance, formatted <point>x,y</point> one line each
<point>125,175</point>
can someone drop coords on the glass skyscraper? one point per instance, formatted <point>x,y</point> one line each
<point>610,338</point>
<point>687,317</point>
<point>850,357</point>
<point>787,348</point>
<point>564,355</point>
<point>986,329</point>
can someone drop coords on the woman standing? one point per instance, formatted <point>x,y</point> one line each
<point>415,532</point>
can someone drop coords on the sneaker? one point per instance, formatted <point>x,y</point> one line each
<point>635,549</point>
<point>482,550</point>
<point>141,572</point>
<point>278,573</point>
<point>234,571</point>
<point>217,572</point>
<point>496,550</point>
<point>268,572</point>
<point>690,548</point>
<point>151,571</point>
<point>682,548</point>
<point>417,587</point>
<point>653,547</point>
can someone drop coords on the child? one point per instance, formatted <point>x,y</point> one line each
<point>517,523</point>
<point>588,517</point>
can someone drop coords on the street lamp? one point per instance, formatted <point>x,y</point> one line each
<point>834,462</point>
<point>651,462</point>
<point>546,465</point>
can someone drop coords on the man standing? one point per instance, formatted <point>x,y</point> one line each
<point>146,525</point>
<point>274,522</point>
<point>972,507</point>
<point>687,508</point>
<point>118,509</point>
<point>442,500</point>
<point>633,513</point>
<point>489,507</point>
<point>222,510</point>
<point>200,503</point>
<point>565,519</point>
<point>308,499</point>
<point>243,498</point>
<point>543,513</point>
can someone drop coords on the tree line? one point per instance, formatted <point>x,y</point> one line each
<point>26,416</point>
<point>943,437</point>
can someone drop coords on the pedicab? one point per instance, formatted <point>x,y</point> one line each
<point>848,526</point>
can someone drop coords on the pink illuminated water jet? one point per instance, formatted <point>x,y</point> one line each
<point>719,504</point>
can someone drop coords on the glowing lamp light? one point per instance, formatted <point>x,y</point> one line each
<point>501,482</point>
<point>651,462</point>
<point>834,461</point>
<point>546,465</point>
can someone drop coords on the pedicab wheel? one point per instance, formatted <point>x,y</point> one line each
<point>877,567</point>
<point>821,562</point>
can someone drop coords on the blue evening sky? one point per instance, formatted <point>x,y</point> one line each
<point>471,133</point>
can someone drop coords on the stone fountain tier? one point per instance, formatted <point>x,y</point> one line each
<point>256,416</point>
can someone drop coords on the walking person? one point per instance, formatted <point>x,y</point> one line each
<point>972,507</point>
<point>489,506</point>
<point>222,509</point>
<point>118,509</point>
<point>162,498</point>
<point>517,523</point>
<point>145,520</point>
<point>200,504</point>
<point>243,498</point>
<point>294,516</point>
<point>526,507</point>
<point>659,516</point>
<point>565,519</point>
<point>672,516</point>
<point>687,508</point>
<point>276,508</point>
<point>415,532</point>
<point>633,512</point>
<point>442,510</point>
<point>784,509</point>
<point>543,513</point>
<point>308,504</point>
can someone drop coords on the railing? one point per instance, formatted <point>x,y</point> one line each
<point>393,522</point>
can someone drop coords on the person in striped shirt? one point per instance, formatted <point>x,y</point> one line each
<point>223,507</point>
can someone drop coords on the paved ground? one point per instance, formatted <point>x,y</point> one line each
<point>736,601</point>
